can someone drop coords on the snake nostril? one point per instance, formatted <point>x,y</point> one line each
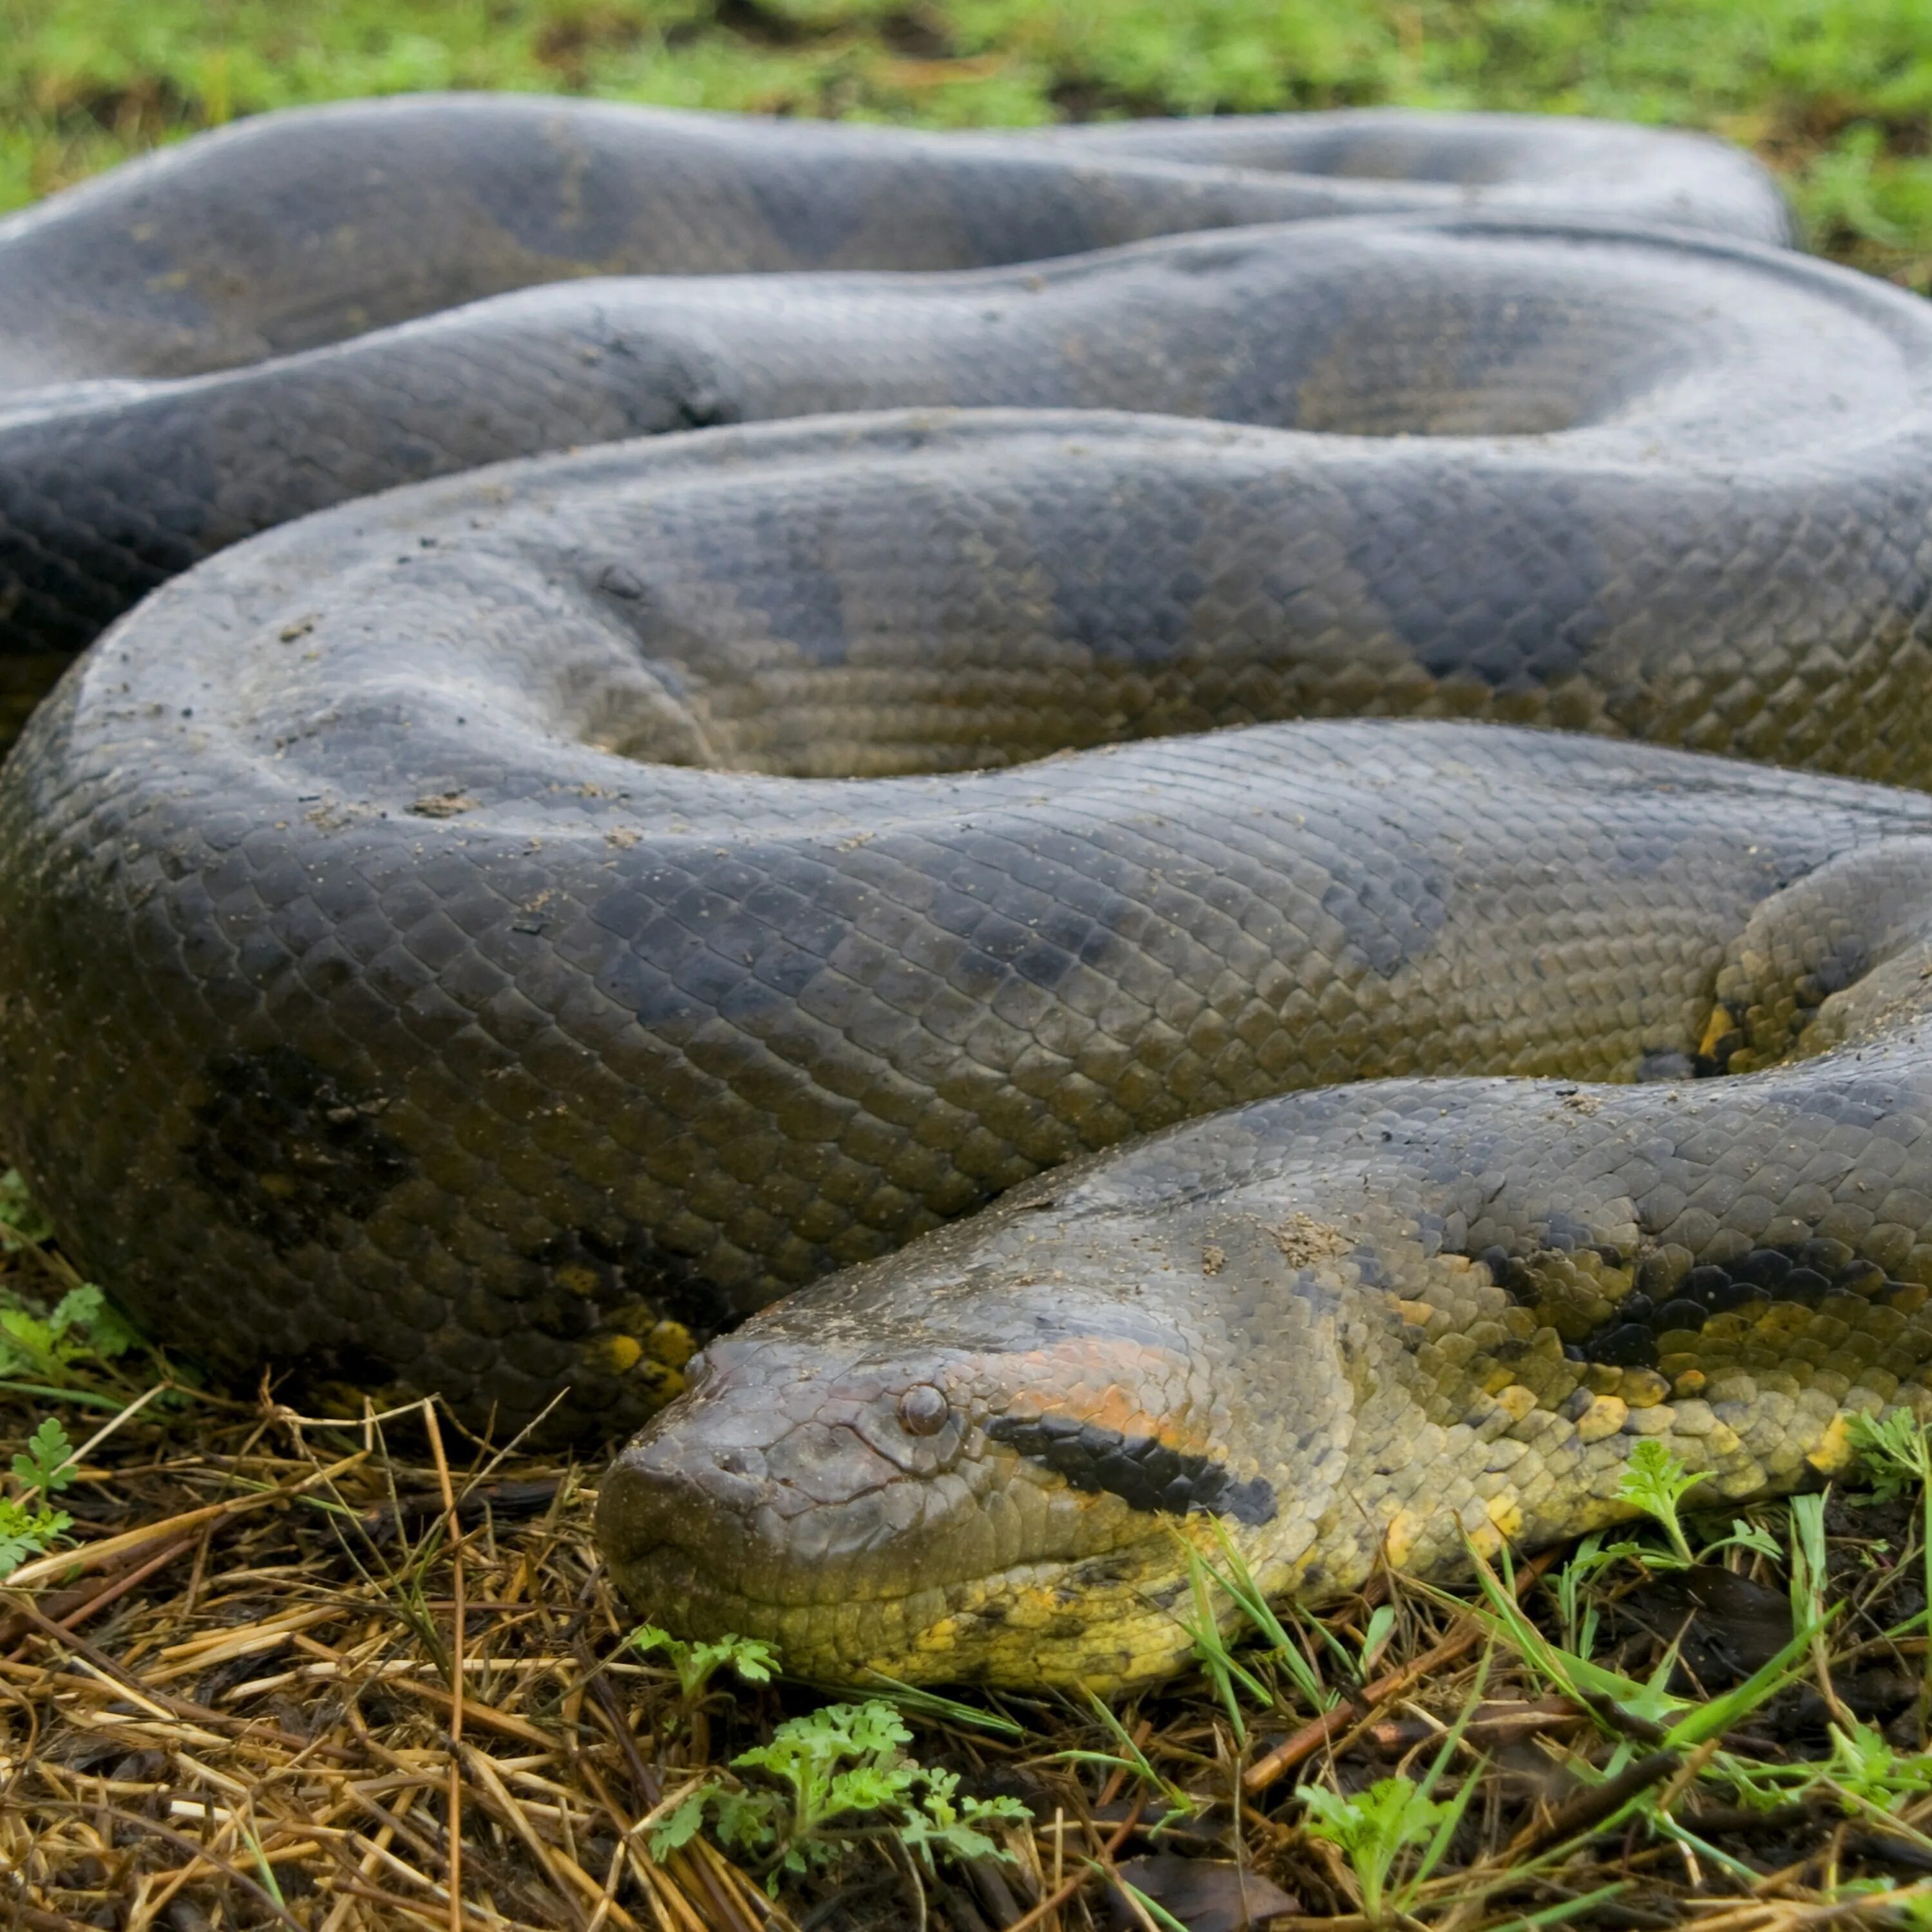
<point>733,1462</point>
<point>923,1410</point>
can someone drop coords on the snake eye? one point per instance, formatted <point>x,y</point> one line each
<point>923,1410</point>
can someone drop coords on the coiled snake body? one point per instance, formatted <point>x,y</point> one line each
<point>488,937</point>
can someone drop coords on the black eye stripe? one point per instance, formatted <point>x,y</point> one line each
<point>1142,1471</point>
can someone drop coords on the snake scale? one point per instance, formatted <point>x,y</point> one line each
<point>917,834</point>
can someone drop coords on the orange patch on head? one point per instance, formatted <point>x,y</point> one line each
<point>1102,1383</point>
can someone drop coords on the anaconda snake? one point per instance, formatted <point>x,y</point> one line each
<point>487,936</point>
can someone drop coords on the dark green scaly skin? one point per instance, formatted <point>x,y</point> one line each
<point>227,335</point>
<point>489,938</point>
<point>458,1043</point>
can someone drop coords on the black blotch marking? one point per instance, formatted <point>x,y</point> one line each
<point>1528,589</point>
<point>1143,1471</point>
<point>1809,1273</point>
<point>1125,583</point>
<point>587,1279</point>
<point>287,1153</point>
<point>1517,1276</point>
<point>1848,963</point>
<point>1395,915</point>
<point>1629,1345</point>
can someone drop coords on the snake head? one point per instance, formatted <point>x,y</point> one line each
<point>973,1482</point>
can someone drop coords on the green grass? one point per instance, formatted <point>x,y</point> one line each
<point>1834,93</point>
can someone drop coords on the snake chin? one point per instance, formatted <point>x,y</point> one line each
<point>982,1517</point>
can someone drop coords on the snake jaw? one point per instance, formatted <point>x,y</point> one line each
<point>765,1489</point>
<point>947,1514</point>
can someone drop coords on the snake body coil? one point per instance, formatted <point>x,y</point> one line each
<point>490,937</point>
<point>216,339</point>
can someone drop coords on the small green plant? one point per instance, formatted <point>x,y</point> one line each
<point>1575,1604</point>
<point>1810,1561</point>
<point>48,1344</point>
<point>29,1523</point>
<point>1377,1829</point>
<point>1376,1638</point>
<point>1896,1452</point>
<point>1656,1482</point>
<point>22,1224</point>
<point>696,1664</point>
<point>1753,1536</point>
<point>842,1764</point>
<point>948,1824</point>
<point>1864,1766</point>
<point>1867,1775</point>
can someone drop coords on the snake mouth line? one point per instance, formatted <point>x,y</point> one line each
<point>693,1520</point>
<point>1152,1478</point>
<point>664,1574</point>
<point>1031,1621</point>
